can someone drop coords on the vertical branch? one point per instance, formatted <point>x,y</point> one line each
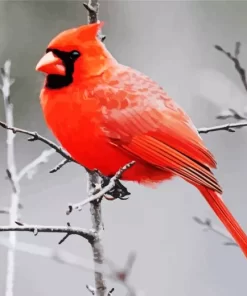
<point>95,207</point>
<point>93,11</point>
<point>97,223</point>
<point>7,81</point>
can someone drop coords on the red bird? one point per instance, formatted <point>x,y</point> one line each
<point>106,114</point>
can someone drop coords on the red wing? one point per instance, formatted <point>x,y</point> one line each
<point>143,121</point>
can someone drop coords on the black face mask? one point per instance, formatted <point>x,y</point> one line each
<point>55,81</point>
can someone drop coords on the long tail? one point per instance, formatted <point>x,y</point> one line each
<point>216,203</point>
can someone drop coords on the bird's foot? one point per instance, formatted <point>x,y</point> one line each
<point>119,191</point>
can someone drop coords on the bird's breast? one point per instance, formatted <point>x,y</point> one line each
<point>76,123</point>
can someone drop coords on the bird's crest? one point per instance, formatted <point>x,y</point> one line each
<point>89,31</point>
<point>72,38</point>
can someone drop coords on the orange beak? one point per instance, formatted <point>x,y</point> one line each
<point>50,64</point>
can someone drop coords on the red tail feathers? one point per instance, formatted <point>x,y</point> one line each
<point>220,209</point>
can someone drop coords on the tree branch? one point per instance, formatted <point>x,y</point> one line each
<point>97,247</point>
<point>209,226</point>
<point>99,192</point>
<point>92,6</point>
<point>35,229</point>
<point>30,169</point>
<point>235,59</point>
<point>60,165</point>
<point>224,127</point>
<point>4,211</point>
<point>5,86</point>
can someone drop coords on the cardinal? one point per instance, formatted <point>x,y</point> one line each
<point>106,115</point>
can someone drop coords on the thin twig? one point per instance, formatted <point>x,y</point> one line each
<point>30,169</point>
<point>102,191</point>
<point>6,84</point>
<point>235,59</point>
<point>229,127</point>
<point>91,289</point>
<point>209,226</point>
<point>231,113</point>
<point>59,166</point>
<point>92,6</point>
<point>110,293</point>
<point>4,211</point>
<point>123,274</point>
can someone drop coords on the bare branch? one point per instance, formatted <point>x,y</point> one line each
<point>66,236</point>
<point>4,211</point>
<point>7,81</point>
<point>13,180</point>
<point>100,193</point>
<point>36,137</point>
<point>224,127</point>
<point>91,289</point>
<point>209,226</point>
<point>30,169</point>
<point>35,229</point>
<point>110,293</point>
<point>59,166</point>
<point>236,62</point>
<point>97,247</point>
<point>92,6</point>
<point>231,113</point>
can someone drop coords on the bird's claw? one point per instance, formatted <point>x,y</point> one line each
<point>119,191</point>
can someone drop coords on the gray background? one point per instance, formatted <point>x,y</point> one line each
<point>173,43</point>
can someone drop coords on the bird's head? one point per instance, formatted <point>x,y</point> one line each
<point>73,56</point>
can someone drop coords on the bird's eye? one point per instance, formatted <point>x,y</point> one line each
<point>74,54</point>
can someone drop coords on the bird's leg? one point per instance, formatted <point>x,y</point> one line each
<point>119,191</point>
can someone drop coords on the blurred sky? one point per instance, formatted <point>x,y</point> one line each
<point>172,42</point>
